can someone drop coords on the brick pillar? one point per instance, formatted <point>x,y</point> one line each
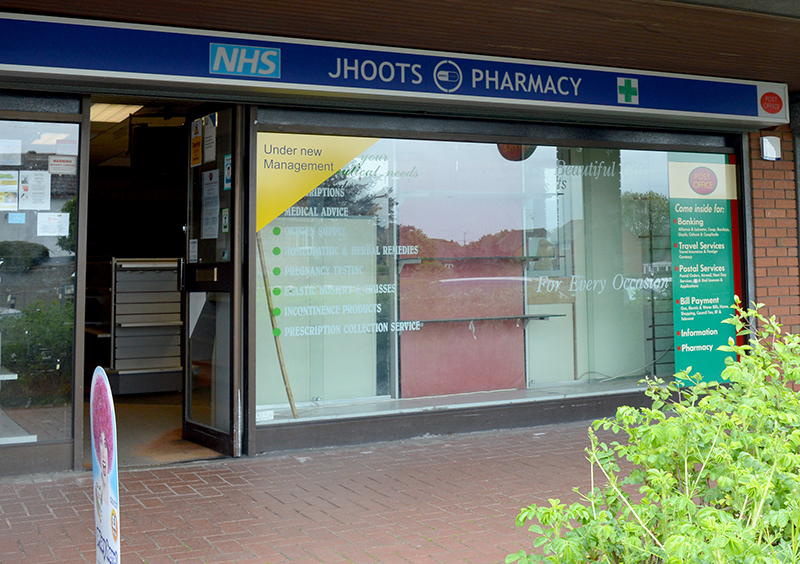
<point>775,244</point>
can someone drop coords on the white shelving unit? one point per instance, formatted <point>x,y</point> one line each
<point>146,326</point>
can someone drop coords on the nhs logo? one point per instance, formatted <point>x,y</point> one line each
<point>241,60</point>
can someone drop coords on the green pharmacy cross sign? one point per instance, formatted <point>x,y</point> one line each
<point>628,89</point>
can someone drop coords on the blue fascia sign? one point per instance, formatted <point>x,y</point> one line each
<point>80,50</point>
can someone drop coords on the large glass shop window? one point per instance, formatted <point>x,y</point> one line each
<point>408,269</point>
<point>38,214</point>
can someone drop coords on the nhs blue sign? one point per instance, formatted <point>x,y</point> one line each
<point>244,60</point>
<point>257,65</point>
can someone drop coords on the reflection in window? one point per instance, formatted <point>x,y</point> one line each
<point>38,213</point>
<point>426,269</point>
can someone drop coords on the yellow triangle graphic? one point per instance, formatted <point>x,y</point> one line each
<point>289,166</point>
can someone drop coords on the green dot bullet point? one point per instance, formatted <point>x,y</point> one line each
<point>277,291</point>
<point>277,231</point>
<point>276,312</point>
<point>276,332</point>
<point>276,271</point>
<point>276,251</point>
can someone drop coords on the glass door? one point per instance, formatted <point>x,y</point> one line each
<point>212,369</point>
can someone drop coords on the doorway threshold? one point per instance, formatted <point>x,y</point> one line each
<point>149,431</point>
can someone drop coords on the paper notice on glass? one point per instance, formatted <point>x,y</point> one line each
<point>34,190</point>
<point>226,220</point>
<point>197,142</point>
<point>210,138</point>
<point>210,218</point>
<point>9,190</point>
<point>10,152</point>
<point>210,223</point>
<point>228,173</point>
<point>62,164</point>
<point>52,224</point>
<point>67,147</point>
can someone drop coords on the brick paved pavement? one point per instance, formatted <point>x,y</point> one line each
<point>426,500</point>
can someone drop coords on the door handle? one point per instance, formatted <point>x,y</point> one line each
<point>206,275</point>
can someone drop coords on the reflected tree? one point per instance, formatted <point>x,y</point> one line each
<point>645,214</point>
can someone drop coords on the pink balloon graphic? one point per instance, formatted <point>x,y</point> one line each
<point>102,423</point>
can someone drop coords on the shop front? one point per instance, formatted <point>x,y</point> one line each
<point>415,277</point>
<point>314,244</point>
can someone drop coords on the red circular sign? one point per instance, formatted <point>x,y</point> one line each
<point>771,103</point>
<point>516,152</point>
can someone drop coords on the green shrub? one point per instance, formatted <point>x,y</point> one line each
<point>37,346</point>
<point>713,469</point>
<point>22,255</point>
<point>69,242</point>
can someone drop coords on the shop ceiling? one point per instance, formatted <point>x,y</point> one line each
<point>742,39</point>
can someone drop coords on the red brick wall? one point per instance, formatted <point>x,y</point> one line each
<point>775,258</point>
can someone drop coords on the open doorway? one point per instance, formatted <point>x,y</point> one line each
<point>137,210</point>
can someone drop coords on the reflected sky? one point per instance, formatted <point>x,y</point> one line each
<point>38,136</point>
<point>462,191</point>
<point>457,191</point>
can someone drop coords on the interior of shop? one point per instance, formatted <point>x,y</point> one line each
<point>136,216</point>
<point>137,210</point>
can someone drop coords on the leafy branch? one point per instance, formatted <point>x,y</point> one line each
<point>714,467</point>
